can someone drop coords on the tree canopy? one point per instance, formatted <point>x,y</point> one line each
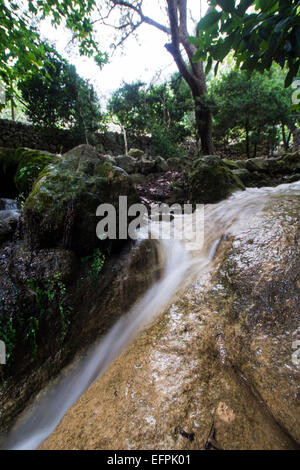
<point>21,48</point>
<point>260,32</point>
<point>56,95</point>
<point>256,111</point>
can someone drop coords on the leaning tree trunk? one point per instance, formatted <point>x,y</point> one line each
<point>193,75</point>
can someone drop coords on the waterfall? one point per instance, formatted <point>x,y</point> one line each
<point>227,217</point>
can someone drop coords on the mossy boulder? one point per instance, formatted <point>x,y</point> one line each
<point>127,163</point>
<point>161,164</point>
<point>20,167</point>
<point>176,164</point>
<point>258,164</point>
<point>231,164</point>
<point>30,164</point>
<point>61,209</point>
<point>210,180</point>
<point>146,166</point>
<point>288,163</point>
<point>136,153</point>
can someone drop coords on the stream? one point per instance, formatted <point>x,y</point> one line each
<point>228,217</point>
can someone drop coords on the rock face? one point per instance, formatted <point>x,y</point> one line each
<point>57,306</point>
<point>57,283</point>
<point>218,369</point>
<point>210,180</point>
<point>61,210</point>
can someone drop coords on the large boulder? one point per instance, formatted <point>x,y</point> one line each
<point>30,164</point>
<point>218,369</point>
<point>127,163</point>
<point>147,166</point>
<point>210,180</point>
<point>61,209</point>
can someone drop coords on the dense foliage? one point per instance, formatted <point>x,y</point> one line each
<point>21,49</point>
<point>163,111</point>
<point>256,111</point>
<point>259,32</point>
<point>57,96</point>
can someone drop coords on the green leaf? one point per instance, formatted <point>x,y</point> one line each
<point>199,55</point>
<point>265,4</point>
<point>282,24</point>
<point>209,20</point>
<point>208,65</point>
<point>227,5</point>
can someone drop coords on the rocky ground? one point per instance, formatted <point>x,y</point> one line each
<point>215,371</point>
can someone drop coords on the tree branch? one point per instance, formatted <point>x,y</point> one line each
<point>144,18</point>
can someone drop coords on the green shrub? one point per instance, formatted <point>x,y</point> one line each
<point>164,143</point>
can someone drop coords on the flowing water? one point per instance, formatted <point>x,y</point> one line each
<point>227,217</point>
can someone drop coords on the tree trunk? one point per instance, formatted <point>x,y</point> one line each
<point>195,75</point>
<point>247,140</point>
<point>204,127</point>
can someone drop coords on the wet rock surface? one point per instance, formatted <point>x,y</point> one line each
<point>218,365</point>
<point>95,305</point>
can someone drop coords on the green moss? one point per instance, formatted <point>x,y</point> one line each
<point>31,163</point>
<point>231,164</point>
<point>210,180</point>
<point>61,209</point>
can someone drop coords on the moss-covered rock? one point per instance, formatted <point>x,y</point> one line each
<point>136,153</point>
<point>210,180</point>
<point>258,172</point>
<point>19,168</point>
<point>30,164</point>
<point>61,209</point>
<point>127,163</point>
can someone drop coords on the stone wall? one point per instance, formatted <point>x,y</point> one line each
<point>16,134</point>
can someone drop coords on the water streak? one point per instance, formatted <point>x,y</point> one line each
<point>231,216</point>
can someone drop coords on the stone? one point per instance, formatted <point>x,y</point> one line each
<point>129,164</point>
<point>31,163</point>
<point>217,364</point>
<point>176,164</point>
<point>8,223</point>
<point>83,151</point>
<point>136,153</point>
<point>210,180</point>
<point>161,164</point>
<point>61,209</point>
<point>146,166</point>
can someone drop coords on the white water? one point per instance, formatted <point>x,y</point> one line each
<point>230,216</point>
